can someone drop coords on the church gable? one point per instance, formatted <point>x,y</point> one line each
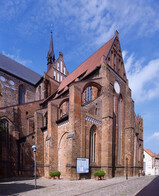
<point>114,58</point>
<point>58,70</point>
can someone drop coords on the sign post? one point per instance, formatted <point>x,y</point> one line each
<point>126,168</point>
<point>34,150</point>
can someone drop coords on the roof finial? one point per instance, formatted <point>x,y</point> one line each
<point>116,26</point>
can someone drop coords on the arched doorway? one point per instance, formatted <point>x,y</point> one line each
<point>63,154</point>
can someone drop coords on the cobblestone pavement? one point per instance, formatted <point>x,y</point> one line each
<point>111,187</point>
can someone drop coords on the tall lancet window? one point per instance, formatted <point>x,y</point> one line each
<point>93,144</point>
<point>4,139</point>
<point>21,94</point>
<point>119,129</point>
<point>39,92</point>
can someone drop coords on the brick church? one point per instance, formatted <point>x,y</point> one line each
<point>88,113</point>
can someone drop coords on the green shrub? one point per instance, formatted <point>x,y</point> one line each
<point>55,173</point>
<point>96,173</point>
<point>99,173</point>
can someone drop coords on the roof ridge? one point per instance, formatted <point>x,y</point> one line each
<point>149,152</point>
<point>90,63</point>
<point>93,54</point>
<point>18,70</point>
<point>19,63</point>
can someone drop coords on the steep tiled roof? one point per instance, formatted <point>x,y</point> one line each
<point>18,70</point>
<point>149,152</point>
<point>87,66</point>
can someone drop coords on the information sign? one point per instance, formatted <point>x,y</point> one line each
<point>82,165</point>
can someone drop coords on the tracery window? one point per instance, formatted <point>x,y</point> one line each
<point>88,94</point>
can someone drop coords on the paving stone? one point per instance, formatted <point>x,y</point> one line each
<point>48,187</point>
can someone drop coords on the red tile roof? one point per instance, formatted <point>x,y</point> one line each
<point>87,66</point>
<point>149,152</point>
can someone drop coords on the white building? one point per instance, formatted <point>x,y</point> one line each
<point>157,165</point>
<point>150,163</point>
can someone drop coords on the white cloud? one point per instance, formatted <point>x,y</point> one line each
<point>16,57</point>
<point>10,9</point>
<point>143,79</point>
<point>95,18</point>
<point>154,136</point>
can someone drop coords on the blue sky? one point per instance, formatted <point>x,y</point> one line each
<point>79,29</point>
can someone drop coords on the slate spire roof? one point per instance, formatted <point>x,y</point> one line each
<point>12,67</point>
<point>51,54</point>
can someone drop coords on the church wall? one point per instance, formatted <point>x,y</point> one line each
<point>104,129</point>
<point>22,138</point>
<point>10,90</point>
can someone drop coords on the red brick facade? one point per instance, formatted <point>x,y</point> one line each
<point>90,114</point>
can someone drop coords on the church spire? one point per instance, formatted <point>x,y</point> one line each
<point>51,54</point>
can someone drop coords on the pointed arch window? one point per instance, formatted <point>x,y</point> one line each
<point>88,94</point>
<point>93,144</point>
<point>119,129</point>
<point>39,92</point>
<point>46,119</point>
<point>4,139</point>
<point>21,94</point>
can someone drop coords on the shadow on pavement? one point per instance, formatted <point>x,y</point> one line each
<point>151,189</point>
<point>18,178</point>
<point>15,188</point>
